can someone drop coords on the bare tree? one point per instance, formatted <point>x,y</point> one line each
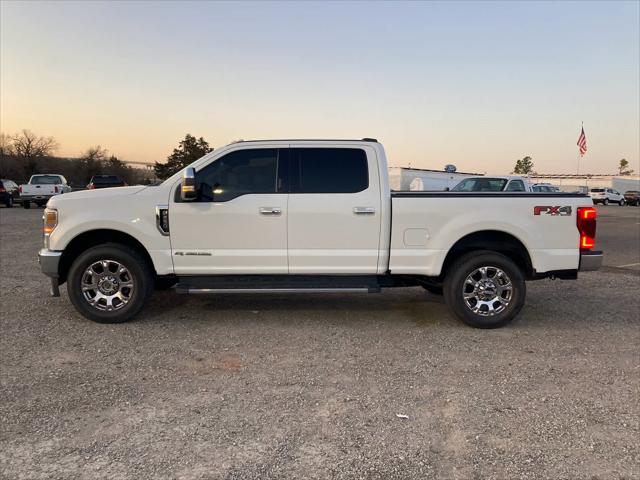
<point>29,148</point>
<point>6,144</point>
<point>27,144</point>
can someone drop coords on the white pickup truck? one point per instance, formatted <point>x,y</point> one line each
<point>310,215</point>
<point>41,188</point>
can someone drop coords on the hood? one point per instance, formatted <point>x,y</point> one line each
<point>93,194</point>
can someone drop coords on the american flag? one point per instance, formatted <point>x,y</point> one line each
<point>582,143</point>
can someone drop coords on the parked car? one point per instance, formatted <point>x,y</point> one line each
<point>105,181</point>
<point>9,192</point>
<point>606,196</point>
<point>493,184</point>
<point>41,188</point>
<point>544,188</point>
<point>632,197</point>
<point>300,215</point>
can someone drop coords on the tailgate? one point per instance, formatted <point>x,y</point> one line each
<point>41,190</point>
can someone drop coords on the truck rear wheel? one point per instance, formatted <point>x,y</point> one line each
<point>485,289</point>
<point>109,283</point>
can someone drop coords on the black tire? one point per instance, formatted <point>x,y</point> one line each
<point>433,289</point>
<point>26,204</point>
<point>9,202</point>
<point>605,201</point>
<point>454,288</point>
<point>141,277</point>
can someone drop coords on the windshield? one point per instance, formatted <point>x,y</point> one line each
<point>480,185</point>
<point>597,189</point>
<point>45,180</point>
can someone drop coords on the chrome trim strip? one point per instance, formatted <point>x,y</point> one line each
<point>273,290</point>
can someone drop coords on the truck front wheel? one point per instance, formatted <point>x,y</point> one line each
<point>485,289</point>
<point>109,283</point>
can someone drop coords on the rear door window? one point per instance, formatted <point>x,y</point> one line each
<point>329,170</point>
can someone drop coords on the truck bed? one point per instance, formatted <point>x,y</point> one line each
<point>426,226</point>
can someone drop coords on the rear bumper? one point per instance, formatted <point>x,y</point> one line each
<point>591,260</point>
<point>36,198</point>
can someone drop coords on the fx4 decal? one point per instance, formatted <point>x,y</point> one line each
<point>553,211</point>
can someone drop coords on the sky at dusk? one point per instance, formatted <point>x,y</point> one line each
<point>476,84</point>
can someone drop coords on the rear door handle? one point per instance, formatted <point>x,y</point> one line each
<point>270,211</point>
<point>364,210</point>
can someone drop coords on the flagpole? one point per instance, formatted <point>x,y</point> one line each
<point>578,169</point>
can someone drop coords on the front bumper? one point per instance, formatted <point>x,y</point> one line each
<point>49,261</point>
<point>591,260</point>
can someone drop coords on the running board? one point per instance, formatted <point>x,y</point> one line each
<point>277,284</point>
<point>181,288</point>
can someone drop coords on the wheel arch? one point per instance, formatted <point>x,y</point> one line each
<point>93,238</point>
<point>493,240</point>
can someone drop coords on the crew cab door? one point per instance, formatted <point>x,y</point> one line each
<point>238,224</point>
<point>334,210</point>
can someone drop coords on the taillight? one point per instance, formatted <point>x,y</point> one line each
<point>91,186</point>
<point>587,227</point>
<point>20,188</point>
<point>2,190</point>
<point>55,189</point>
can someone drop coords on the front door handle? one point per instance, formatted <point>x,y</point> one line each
<point>270,211</point>
<point>364,210</point>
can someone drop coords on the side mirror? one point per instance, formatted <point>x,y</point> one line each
<point>188,185</point>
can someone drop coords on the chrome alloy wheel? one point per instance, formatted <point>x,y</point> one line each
<point>487,291</point>
<point>107,285</point>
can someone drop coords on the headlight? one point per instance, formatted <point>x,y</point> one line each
<point>49,223</point>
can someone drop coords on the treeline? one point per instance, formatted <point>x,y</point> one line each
<point>25,154</point>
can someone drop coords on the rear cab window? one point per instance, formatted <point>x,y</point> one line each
<point>515,186</point>
<point>46,180</point>
<point>106,179</point>
<point>480,185</point>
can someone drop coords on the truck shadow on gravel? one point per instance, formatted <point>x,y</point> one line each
<point>413,304</point>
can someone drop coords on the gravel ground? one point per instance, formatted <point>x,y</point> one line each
<point>300,386</point>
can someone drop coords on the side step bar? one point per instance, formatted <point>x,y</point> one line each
<point>182,288</point>
<point>278,284</point>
